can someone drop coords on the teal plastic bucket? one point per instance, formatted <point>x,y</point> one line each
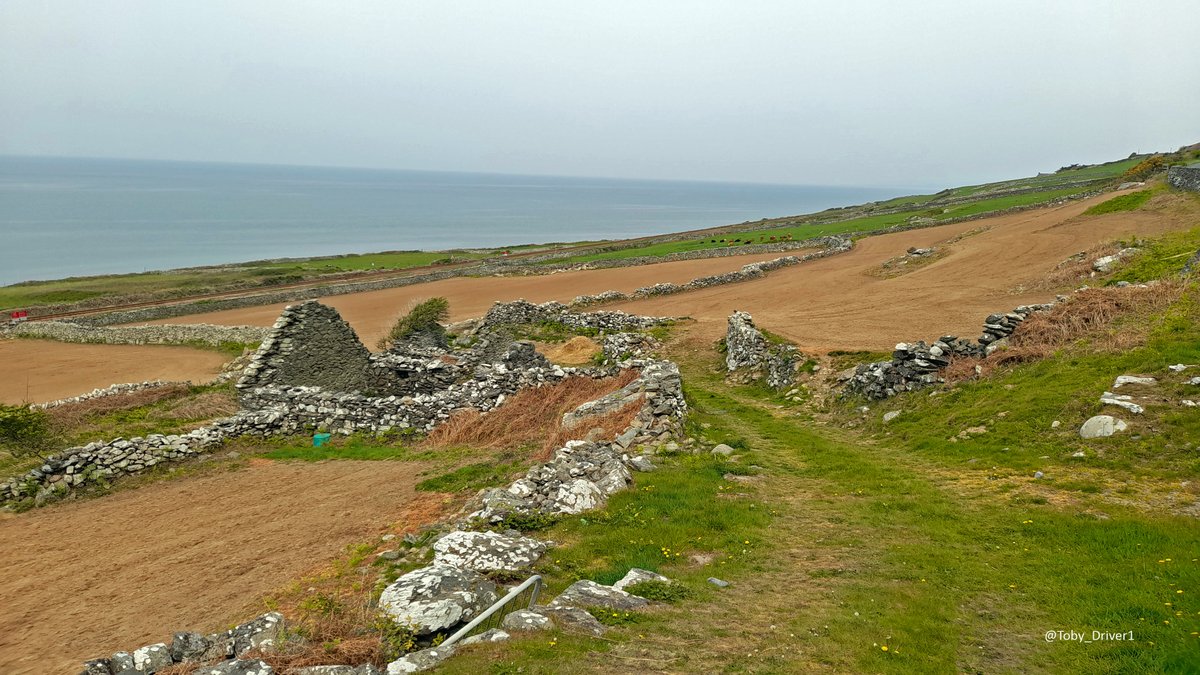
<point>320,439</point>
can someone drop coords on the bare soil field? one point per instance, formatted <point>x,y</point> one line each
<point>833,303</point>
<point>838,303</point>
<point>43,370</point>
<point>87,578</point>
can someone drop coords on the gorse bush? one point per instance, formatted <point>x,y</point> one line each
<point>25,431</point>
<point>425,317</point>
<point>1145,168</point>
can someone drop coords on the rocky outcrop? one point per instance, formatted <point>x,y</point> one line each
<point>750,356</point>
<point>1105,264</point>
<point>585,593</point>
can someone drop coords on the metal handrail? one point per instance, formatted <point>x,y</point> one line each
<point>534,581</point>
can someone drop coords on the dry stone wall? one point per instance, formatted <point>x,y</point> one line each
<point>111,390</point>
<point>746,273</point>
<point>917,365</point>
<point>1184,177</point>
<point>170,334</point>
<point>749,355</point>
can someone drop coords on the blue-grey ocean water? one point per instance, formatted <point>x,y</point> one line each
<point>71,217</point>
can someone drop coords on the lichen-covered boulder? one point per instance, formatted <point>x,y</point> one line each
<point>525,620</point>
<point>585,593</point>
<point>1102,426</point>
<point>261,633</point>
<point>238,667</point>
<point>419,662</point>
<point>151,658</point>
<point>487,551</point>
<point>637,576</point>
<point>577,496</point>
<point>489,635</point>
<point>573,620</point>
<point>186,646</point>
<point>437,597</point>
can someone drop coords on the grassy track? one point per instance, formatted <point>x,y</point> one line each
<point>849,541</point>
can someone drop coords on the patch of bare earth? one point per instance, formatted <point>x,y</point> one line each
<point>37,371</point>
<point>84,579</point>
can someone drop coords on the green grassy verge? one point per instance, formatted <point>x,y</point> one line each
<point>1129,202</point>
<point>1160,258</point>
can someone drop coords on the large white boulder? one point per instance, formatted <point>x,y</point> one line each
<point>437,597</point>
<point>1102,426</point>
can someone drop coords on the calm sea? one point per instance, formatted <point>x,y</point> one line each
<point>71,217</point>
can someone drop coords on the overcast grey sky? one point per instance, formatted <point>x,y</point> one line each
<point>832,92</point>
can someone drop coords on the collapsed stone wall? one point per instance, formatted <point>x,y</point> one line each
<point>522,312</point>
<point>750,356</point>
<point>169,334</point>
<point>1184,177</point>
<point>917,365</point>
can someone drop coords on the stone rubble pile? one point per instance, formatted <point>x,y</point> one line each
<point>620,347</point>
<point>453,589</point>
<point>917,365</point>
<point>583,474</point>
<point>750,356</point>
<point>261,633</point>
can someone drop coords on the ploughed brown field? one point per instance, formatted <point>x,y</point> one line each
<point>832,303</point>
<point>84,579</point>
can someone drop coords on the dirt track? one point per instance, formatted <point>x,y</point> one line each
<point>832,303</point>
<point>85,579</point>
<point>43,370</point>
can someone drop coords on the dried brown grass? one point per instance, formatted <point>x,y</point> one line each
<point>530,416</point>
<point>209,405</point>
<point>73,415</point>
<point>1075,269</point>
<point>338,631</point>
<point>1110,319</point>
